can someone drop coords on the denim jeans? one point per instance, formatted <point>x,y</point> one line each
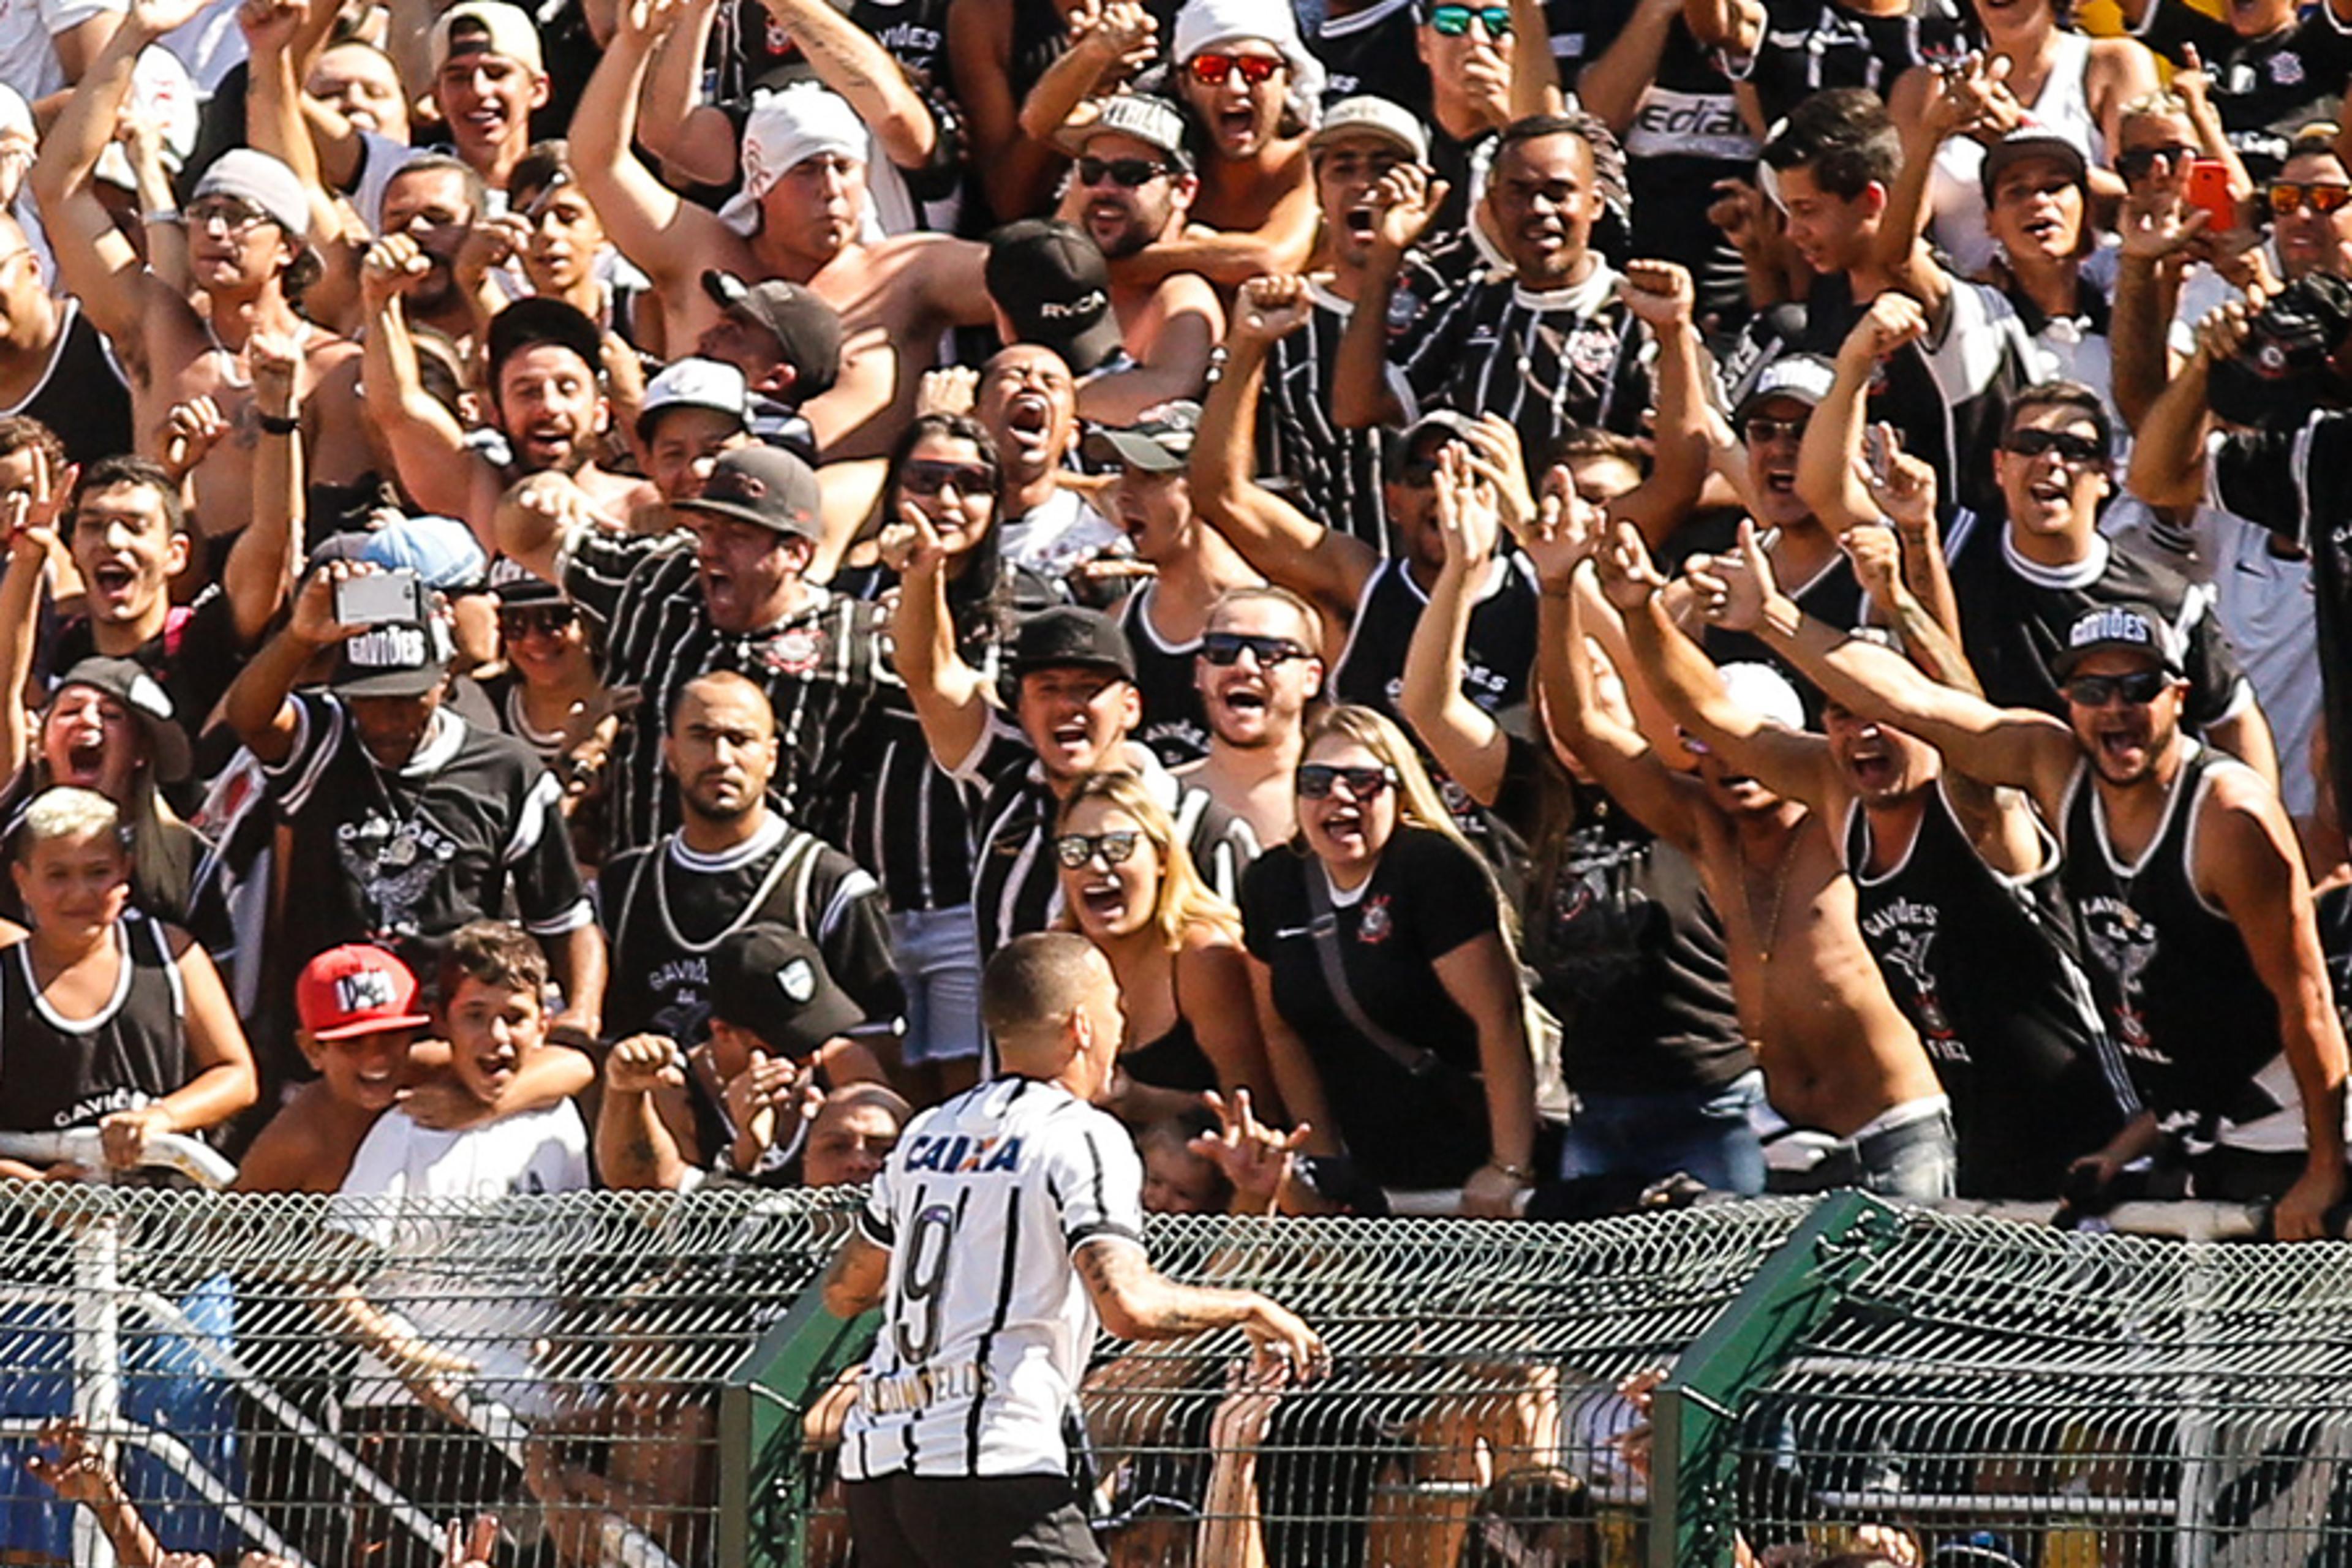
<point>1702,1133</point>
<point>1916,1159</point>
<point>937,957</point>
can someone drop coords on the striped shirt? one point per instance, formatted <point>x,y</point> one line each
<point>1018,887</point>
<point>986,1327</point>
<point>820,667</point>
<point>1334,475</point>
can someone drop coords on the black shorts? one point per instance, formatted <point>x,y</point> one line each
<point>971,1522</point>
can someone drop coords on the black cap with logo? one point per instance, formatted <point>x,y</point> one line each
<point>805,326</point>
<point>2120,628</point>
<point>771,980</point>
<point>764,486</point>
<point>1071,636</point>
<point>394,659</point>
<point>1050,279</point>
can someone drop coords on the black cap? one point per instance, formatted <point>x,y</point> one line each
<point>764,486</point>
<point>129,683</point>
<point>805,327</point>
<point>771,980</point>
<point>1050,279</point>
<point>1070,636</point>
<point>2127,627</point>
<point>394,659</point>
<point>1159,442</point>
<point>542,319</point>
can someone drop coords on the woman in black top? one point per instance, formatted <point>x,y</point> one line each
<point>1129,887</point>
<point>1416,1064</point>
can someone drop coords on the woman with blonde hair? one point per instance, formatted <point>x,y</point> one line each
<point>1131,888</point>
<point>1381,962</point>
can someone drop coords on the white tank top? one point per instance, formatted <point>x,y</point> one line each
<point>1955,189</point>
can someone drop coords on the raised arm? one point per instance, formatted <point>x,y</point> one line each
<point>690,139</point>
<point>1289,548</point>
<point>1928,106</point>
<point>262,565</point>
<point>637,1148</point>
<point>1016,171</point>
<point>429,453</point>
<point>258,705</point>
<point>2156,233</point>
<point>1829,468</point>
<point>1612,87</point>
<point>950,697</point>
<point>1662,294</point>
<point>1404,203</point>
<point>650,224</point>
<point>852,62</point>
<point>32,541</point>
<point>2168,461</point>
<point>1108,43</point>
<point>1464,737</point>
<point>1734,26</point>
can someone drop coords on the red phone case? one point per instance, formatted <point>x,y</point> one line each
<point>2208,189</point>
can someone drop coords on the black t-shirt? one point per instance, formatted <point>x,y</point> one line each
<point>1810,44</point>
<point>1426,897</point>
<point>2265,89</point>
<point>1626,951</point>
<point>1373,51</point>
<point>195,658</point>
<point>1175,720</point>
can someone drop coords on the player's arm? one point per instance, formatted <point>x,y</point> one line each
<point>2248,860</point>
<point>1136,1301</point>
<point>855,1279</point>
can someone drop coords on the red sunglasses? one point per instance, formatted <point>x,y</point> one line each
<point>1211,71</point>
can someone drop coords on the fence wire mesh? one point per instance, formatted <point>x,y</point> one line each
<point>1985,1393</point>
<point>1472,1416</point>
<point>331,1382</point>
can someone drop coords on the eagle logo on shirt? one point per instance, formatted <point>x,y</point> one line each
<point>795,652</point>
<point>394,864</point>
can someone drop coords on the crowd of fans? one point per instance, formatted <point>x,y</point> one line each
<point>1571,592</point>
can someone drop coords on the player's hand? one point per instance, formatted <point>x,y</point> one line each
<point>191,431</point>
<point>1270,308</point>
<point>1659,292</point>
<point>1280,1339</point>
<point>124,1134</point>
<point>643,1064</point>
<point>1629,578</point>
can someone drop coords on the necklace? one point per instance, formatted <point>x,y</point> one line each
<point>1769,931</point>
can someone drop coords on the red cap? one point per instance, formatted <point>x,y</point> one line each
<point>356,990</point>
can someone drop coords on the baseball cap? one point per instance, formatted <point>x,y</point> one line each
<point>129,683</point>
<point>1050,279</point>
<point>692,383</point>
<point>541,319</point>
<point>803,323</point>
<point>1447,425</point>
<point>1801,377</point>
<point>1071,635</point>
<point>771,979</point>
<point>356,990</point>
<point>394,659</point>
<point>786,129</point>
<point>1369,115</point>
<point>441,550</point>
<point>764,486</point>
<point>1148,118</point>
<point>1159,442</point>
<point>257,177</point>
<point>1765,693</point>
<point>2032,140</point>
<point>487,28</point>
<point>2128,628</point>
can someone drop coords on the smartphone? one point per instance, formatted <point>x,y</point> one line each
<point>1876,452</point>
<point>2208,190</point>
<point>380,596</point>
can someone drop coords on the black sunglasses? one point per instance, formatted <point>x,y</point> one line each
<point>1316,781</point>
<point>1227,648</point>
<point>927,477</point>
<point>521,620</point>
<point>2135,164</point>
<point>1128,172</point>
<point>1074,849</point>
<point>2073,449</point>
<point>2138,689</point>
<point>1763,432</point>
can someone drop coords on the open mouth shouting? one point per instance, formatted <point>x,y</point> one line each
<point>115,583</point>
<point>1029,419</point>
<point>1103,899</point>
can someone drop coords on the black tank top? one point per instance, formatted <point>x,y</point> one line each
<point>1175,724</point>
<point>1985,968</point>
<point>1174,1060</point>
<point>2335,920</point>
<point>83,397</point>
<point>2182,999</point>
<point>56,1073</point>
<point>1498,648</point>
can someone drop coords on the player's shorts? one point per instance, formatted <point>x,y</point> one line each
<point>971,1522</point>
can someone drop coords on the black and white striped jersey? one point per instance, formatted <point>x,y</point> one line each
<point>821,669</point>
<point>986,1326</point>
<point>1333,475</point>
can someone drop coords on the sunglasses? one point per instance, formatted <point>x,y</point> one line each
<point>1227,648</point>
<point>547,620</point>
<point>1316,781</point>
<point>2137,164</point>
<point>927,477</point>
<point>1453,21</point>
<point>2288,197</point>
<point>1211,71</point>
<point>2138,689</point>
<point>1130,172</point>
<point>2074,450</point>
<point>1074,849</point>
<point>1763,432</point>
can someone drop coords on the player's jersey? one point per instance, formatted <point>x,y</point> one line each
<point>986,1327</point>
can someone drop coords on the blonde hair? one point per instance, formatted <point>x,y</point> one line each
<point>1185,899</point>
<point>66,811</point>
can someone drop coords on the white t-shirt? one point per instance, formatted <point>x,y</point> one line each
<point>458,1285</point>
<point>986,1325</point>
<point>28,59</point>
<point>1055,539</point>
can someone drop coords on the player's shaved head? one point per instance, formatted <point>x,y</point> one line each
<point>1033,990</point>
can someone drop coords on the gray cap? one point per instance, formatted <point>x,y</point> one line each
<point>1367,115</point>
<point>1152,120</point>
<point>268,184</point>
<point>1159,442</point>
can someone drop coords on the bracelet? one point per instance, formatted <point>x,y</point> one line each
<point>1523,1174</point>
<point>277,424</point>
<point>161,214</point>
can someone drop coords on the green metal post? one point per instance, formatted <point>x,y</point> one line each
<point>1695,1412</point>
<point>763,1493</point>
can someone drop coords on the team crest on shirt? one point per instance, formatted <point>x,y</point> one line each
<point>1405,309</point>
<point>1377,922</point>
<point>1590,350</point>
<point>795,652</point>
<point>2286,69</point>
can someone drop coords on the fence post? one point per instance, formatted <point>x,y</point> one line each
<point>1694,1413</point>
<point>764,1500</point>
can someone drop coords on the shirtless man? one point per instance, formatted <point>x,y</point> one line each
<point>1250,82</point>
<point>806,181</point>
<point>1132,189</point>
<point>247,222</point>
<point>2195,907</point>
<point>1838,1056</point>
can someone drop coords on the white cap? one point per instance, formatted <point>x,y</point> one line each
<point>694,383</point>
<point>508,33</point>
<point>787,129</point>
<point>1205,24</point>
<point>1765,693</point>
<point>162,89</point>
<point>1367,115</point>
